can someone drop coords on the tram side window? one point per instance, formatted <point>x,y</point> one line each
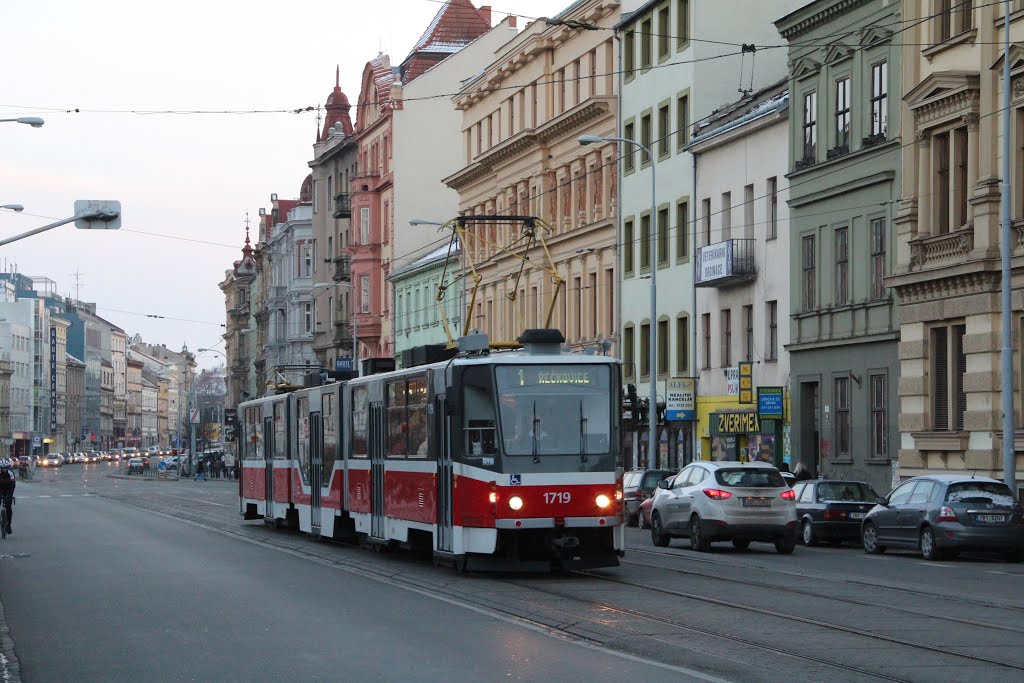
<point>302,437</point>
<point>280,432</point>
<point>254,433</point>
<point>407,418</point>
<point>330,437</point>
<point>417,403</point>
<point>360,417</point>
<point>398,438</point>
<point>478,409</point>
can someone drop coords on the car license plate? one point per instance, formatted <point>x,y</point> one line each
<point>757,502</point>
<point>991,518</point>
<point>856,515</point>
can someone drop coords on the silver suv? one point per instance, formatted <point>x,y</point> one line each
<point>725,501</point>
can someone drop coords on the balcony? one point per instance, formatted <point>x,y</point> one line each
<point>726,263</point>
<point>342,270</point>
<point>343,206</point>
<point>343,335</point>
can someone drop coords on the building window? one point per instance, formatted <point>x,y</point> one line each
<point>645,347</point>
<point>628,357</point>
<point>843,113</point>
<point>308,317</point>
<point>629,50</point>
<point>664,130</point>
<point>705,326</point>
<point>951,197</point>
<point>682,345</point>
<point>748,334</point>
<point>842,253</point>
<point>726,215</point>
<point>954,17</point>
<point>878,266</point>
<point>646,36</point>
<point>773,208</point>
<point>880,98</point>
<point>682,230</point>
<point>629,247</point>
<point>879,417</point>
<point>705,205</point>
<point>562,96</point>
<point>645,241</point>
<point>726,350</point>
<point>748,211</point>
<point>577,82</point>
<point>645,138</point>
<point>682,22</point>
<point>842,424</point>
<point>364,225</point>
<point>663,347</point>
<point>663,228</point>
<point>682,121</point>
<point>772,315</point>
<point>628,160</point>
<point>810,283</point>
<point>664,31</point>
<point>316,195</point>
<point>810,127</point>
<point>364,294</point>
<point>307,261</point>
<point>948,366</point>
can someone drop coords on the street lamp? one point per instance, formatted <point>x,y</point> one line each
<point>33,121</point>
<point>17,208</point>
<point>462,258</point>
<point>355,321</point>
<point>213,351</point>
<point>652,363</point>
<point>89,215</point>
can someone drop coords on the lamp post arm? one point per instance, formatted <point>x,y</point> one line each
<point>87,215</point>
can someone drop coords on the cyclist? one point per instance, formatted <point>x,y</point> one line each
<point>7,484</point>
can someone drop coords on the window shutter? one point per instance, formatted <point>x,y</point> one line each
<point>961,368</point>
<point>940,378</point>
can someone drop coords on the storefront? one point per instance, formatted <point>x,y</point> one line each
<point>743,435</point>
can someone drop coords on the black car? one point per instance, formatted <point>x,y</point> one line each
<point>639,485</point>
<point>832,511</point>
<point>944,514</point>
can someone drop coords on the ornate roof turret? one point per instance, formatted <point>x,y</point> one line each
<point>338,109</point>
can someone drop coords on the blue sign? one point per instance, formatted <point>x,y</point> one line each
<point>770,403</point>
<point>343,365</point>
<point>162,466</point>
<point>53,380</point>
<point>515,480</point>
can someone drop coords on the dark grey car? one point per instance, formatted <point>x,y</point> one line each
<point>944,514</point>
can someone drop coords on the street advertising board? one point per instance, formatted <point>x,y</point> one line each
<point>770,404</point>
<point>680,399</point>
<point>746,389</point>
<point>53,380</point>
<point>732,381</point>
<point>343,365</point>
<point>714,261</point>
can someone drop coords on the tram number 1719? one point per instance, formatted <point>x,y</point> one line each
<point>557,497</point>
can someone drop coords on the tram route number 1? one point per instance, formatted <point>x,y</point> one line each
<point>557,497</point>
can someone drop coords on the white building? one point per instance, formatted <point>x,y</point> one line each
<point>742,273</point>
<point>16,347</point>
<point>292,303</point>
<point>665,88</point>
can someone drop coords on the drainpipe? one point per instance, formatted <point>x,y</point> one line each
<point>693,304</point>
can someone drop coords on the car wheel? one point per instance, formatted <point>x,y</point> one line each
<point>807,534</point>
<point>740,543</point>
<point>869,539</point>
<point>699,542</point>
<point>658,536</point>
<point>929,550</point>
<point>785,545</point>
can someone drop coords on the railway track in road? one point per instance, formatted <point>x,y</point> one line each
<point>847,599</point>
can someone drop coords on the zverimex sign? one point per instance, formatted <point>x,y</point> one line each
<point>735,423</point>
<point>770,404</point>
<point>714,261</point>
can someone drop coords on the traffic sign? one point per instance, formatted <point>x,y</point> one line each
<point>193,415</point>
<point>162,466</point>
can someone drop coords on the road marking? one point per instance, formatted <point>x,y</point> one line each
<point>935,564</point>
<point>44,496</point>
<point>67,495</point>
<point>994,571</point>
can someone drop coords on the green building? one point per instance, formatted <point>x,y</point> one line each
<point>417,314</point>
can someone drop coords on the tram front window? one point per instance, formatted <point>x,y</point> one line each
<point>554,409</point>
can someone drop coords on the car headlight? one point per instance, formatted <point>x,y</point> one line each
<point>603,501</point>
<point>515,502</point>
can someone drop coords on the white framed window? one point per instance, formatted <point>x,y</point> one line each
<point>364,225</point>
<point>364,294</point>
<point>880,98</point>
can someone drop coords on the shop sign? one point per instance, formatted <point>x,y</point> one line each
<point>735,423</point>
<point>53,379</point>
<point>746,378</point>
<point>680,399</point>
<point>770,404</point>
<point>732,381</point>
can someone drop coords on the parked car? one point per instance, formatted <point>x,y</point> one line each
<point>643,516</point>
<point>943,514</point>
<point>637,486</point>
<point>832,511</point>
<point>725,501</point>
<point>172,463</point>
<point>789,477</point>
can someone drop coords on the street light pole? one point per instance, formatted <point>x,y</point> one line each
<point>33,121</point>
<point>652,235</point>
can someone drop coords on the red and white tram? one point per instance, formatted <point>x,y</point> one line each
<point>505,460</point>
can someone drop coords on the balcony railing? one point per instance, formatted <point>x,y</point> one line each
<point>343,206</point>
<point>343,334</point>
<point>342,270</point>
<point>726,263</point>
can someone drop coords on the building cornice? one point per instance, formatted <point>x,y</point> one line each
<point>807,18</point>
<point>979,277</point>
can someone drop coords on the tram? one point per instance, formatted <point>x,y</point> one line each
<point>491,460</point>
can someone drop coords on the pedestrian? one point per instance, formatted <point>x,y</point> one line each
<point>801,473</point>
<point>200,471</point>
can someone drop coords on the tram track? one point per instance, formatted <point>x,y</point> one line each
<point>842,599</point>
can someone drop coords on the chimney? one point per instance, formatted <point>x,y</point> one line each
<point>485,14</point>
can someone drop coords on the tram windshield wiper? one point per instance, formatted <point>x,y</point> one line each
<point>536,424</point>
<point>583,434</point>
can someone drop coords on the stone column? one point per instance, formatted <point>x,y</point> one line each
<point>925,173</point>
<point>972,120</point>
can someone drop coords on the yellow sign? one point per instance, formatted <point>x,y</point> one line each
<point>746,382</point>
<point>737,423</point>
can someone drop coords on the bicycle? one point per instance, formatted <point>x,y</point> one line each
<point>3,514</point>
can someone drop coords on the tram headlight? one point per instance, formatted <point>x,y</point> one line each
<point>603,501</point>
<point>515,502</point>
<point>493,497</point>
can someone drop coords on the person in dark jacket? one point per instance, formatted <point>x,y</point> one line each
<point>200,470</point>
<point>7,486</point>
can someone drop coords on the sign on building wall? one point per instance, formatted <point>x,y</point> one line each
<point>746,390</point>
<point>680,401</point>
<point>53,380</point>
<point>714,261</point>
<point>732,381</point>
<point>770,404</point>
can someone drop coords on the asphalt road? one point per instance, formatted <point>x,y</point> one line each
<point>94,590</point>
<point>162,580</point>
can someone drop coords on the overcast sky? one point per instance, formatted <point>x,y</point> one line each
<point>190,176</point>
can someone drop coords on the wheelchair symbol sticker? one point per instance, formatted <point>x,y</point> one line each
<point>515,480</point>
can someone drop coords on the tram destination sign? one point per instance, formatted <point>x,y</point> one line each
<point>528,375</point>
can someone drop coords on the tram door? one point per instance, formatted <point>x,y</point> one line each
<point>268,455</point>
<point>442,447</point>
<point>378,446</point>
<point>316,464</point>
